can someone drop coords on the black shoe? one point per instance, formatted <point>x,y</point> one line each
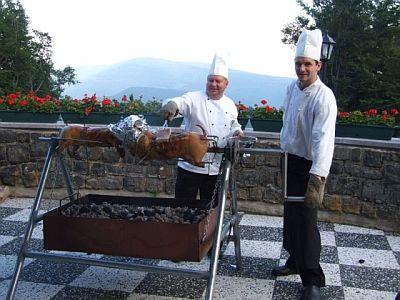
<point>283,271</point>
<point>311,292</point>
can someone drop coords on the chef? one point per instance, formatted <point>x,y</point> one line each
<point>308,135</point>
<point>214,112</point>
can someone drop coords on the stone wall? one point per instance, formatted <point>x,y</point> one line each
<point>362,189</point>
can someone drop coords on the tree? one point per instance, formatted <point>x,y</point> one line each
<point>365,66</point>
<point>26,59</point>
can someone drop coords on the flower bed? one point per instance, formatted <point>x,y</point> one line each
<point>86,110</point>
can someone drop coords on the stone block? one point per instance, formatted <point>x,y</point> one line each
<point>135,183</point>
<point>337,167</point>
<point>372,158</point>
<point>154,185</point>
<point>342,153</point>
<point>266,175</point>
<point>243,194</point>
<point>356,154</point>
<point>343,185</point>
<point>104,183</point>
<point>38,149</point>
<point>4,193</point>
<point>23,137</point>
<point>255,193</point>
<point>272,194</point>
<point>110,155</point>
<point>332,202</point>
<point>368,210</point>
<point>392,173</point>
<point>10,174</point>
<point>170,186</point>
<point>351,205</point>
<point>373,190</point>
<point>358,171</point>
<point>30,175</point>
<point>18,153</point>
<point>247,178</point>
<point>8,136</point>
<point>98,169</point>
<point>3,153</point>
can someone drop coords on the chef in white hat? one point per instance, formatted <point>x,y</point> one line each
<point>214,112</point>
<point>308,135</point>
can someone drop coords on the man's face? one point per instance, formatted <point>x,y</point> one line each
<point>306,70</point>
<point>216,86</point>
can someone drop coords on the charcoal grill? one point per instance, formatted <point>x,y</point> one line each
<point>196,242</point>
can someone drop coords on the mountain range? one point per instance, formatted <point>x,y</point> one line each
<point>161,79</point>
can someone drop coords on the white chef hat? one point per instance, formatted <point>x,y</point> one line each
<point>309,44</point>
<point>219,65</point>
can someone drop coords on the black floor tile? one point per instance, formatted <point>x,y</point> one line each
<point>366,241</point>
<point>45,271</point>
<point>171,286</point>
<point>286,290</point>
<point>252,267</point>
<point>12,228</point>
<point>8,211</point>
<point>370,278</point>
<point>261,233</point>
<point>14,246</point>
<point>79,293</point>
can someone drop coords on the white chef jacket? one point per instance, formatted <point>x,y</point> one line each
<point>217,117</point>
<point>309,124</point>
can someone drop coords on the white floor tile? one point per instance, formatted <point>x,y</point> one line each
<point>355,229</point>
<point>394,242</point>
<point>238,288</point>
<point>328,238</point>
<point>360,294</point>
<point>262,249</point>
<point>7,265</point>
<point>109,279</point>
<point>371,258</point>
<point>263,221</point>
<point>4,239</point>
<point>203,265</point>
<point>18,203</point>
<point>135,296</point>
<point>332,274</point>
<point>37,232</point>
<point>22,216</point>
<point>30,290</point>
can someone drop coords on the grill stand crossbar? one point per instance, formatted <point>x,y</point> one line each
<point>222,230</point>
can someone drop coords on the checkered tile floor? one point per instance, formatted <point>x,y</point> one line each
<point>359,263</point>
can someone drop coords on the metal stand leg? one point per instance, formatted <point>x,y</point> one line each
<point>236,229</point>
<point>32,220</point>
<point>217,238</point>
<point>67,178</point>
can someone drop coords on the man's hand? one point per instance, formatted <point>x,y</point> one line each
<point>169,111</point>
<point>315,191</point>
<point>238,133</point>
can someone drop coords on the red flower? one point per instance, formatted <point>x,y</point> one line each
<point>1,100</point>
<point>87,111</point>
<point>394,112</point>
<point>106,102</point>
<point>22,103</point>
<point>268,108</point>
<point>373,111</point>
<point>124,99</point>
<point>263,101</point>
<point>384,112</point>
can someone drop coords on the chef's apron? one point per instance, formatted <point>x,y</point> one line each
<point>301,238</point>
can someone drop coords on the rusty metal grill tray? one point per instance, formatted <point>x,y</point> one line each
<point>159,240</point>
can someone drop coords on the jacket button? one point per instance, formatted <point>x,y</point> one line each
<point>212,124</point>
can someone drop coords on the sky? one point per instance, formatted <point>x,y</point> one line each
<point>100,32</point>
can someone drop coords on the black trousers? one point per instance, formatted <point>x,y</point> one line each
<point>301,238</point>
<point>188,184</point>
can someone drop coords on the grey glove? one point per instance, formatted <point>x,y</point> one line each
<point>169,111</point>
<point>315,191</point>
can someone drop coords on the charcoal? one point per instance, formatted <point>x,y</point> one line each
<point>105,210</point>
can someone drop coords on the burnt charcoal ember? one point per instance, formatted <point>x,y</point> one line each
<point>183,215</point>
